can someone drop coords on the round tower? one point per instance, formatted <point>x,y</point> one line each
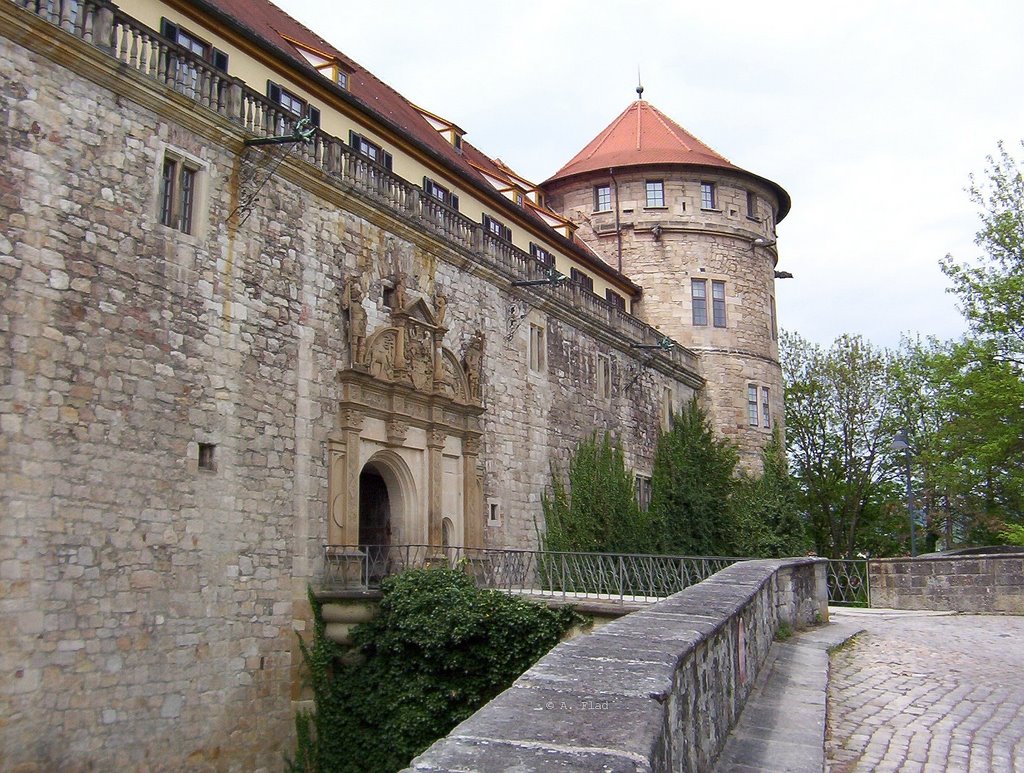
<point>698,234</point>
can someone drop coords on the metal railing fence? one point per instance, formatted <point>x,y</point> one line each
<point>605,576</point>
<point>848,583</point>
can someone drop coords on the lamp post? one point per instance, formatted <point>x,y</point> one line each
<point>900,443</point>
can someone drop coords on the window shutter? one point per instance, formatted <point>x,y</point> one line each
<point>313,114</point>
<point>506,233</point>
<point>353,140</point>
<point>274,92</point>
<point>455,202</point>
<point>220,60</point>
<point>169,30</point>
<point>387,160</point>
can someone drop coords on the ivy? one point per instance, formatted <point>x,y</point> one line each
<point>439,649</point>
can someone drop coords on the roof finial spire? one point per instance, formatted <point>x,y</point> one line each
<point>639,84</point>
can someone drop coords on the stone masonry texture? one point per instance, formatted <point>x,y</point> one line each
<point>149,607</point>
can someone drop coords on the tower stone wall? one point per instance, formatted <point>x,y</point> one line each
<point>664,248</point>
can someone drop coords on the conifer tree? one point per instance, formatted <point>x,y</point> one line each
<point>691,484</point>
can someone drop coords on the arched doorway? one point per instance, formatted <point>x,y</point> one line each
<point>374,521</point>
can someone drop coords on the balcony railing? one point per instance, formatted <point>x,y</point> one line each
<point>153,56</point>
<point>599,576</point>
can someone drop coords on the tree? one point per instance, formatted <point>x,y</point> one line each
<point>840,422</point>
<point>598,511</point>
<point>766,509</point>
<point>691,485</point>
<point>991,291</point>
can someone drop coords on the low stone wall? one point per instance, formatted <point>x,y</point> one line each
<point>656,690</point>
<point>979,584</point>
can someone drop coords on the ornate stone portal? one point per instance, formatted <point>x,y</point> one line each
<point>410,409</point>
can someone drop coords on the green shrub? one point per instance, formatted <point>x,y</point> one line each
<point>439,649</point>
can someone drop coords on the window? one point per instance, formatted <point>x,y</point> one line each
<point>774,321</point>
<point>536,348</point>
<point>493,513</point>
<point>193,45</point>
<point>708,197</point>
<point>369,150</point>
<point>751,205</point>
<point>293,104</point>
<point>718,303</point>
<point>643,492</point>
<point>765,412</point>
<point>655,193</point>
<point>604,376</point>
<point>542,255</point>
<point>440,193</point>
<point>699,296</point>
<point>752,405</point>
<point>497,228</point>
<point>583,280</point>
<point>207,460</point>
<point>177,194</point>
<point>615,299</point>
<point>602,198</point>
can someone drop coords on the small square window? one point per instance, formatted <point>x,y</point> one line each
<point>602,198</point>
<point>207,460</point>
<point>699,298</point>
<point>655,193</point>
<point>718,303</point>
<point>708,196</point>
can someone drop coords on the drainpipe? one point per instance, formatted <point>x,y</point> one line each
<point>618,228</point>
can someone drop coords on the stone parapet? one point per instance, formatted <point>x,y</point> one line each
<point>656,690</point>
<point>976,584</point>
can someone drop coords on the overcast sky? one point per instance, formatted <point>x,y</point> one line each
<point>871,114</point>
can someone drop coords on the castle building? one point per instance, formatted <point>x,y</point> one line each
<point>261,315</point>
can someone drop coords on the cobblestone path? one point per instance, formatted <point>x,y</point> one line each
<point>918,692</point>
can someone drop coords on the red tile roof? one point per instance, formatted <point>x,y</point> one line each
<point>644,136</point>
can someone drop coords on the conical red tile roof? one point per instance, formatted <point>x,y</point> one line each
<point>643,136</point>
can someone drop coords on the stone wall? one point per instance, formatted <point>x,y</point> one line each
<point>692,243</point>
<point>986,584</point>
<point>149,604</point>
<point>657,690</point>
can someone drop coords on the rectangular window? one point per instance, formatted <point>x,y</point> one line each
<point>207,460</point>
<point>751,205</point>
<point>699,296</point>
<point>655,193</point>
<point>752,405</point>
<point>616,300</point>
<point>604,376</point>
<point>643,492</point>
<point>294,104</point>
<point>708,197</point>
<point>774,322</point>
<point>583,280</point>
<point>602,198</point>
<point>542,255</point>
<point>370,150</point>
<point>497,228</point>
<point>718,303</point>
<point>194,45</point>
<point>440,193</point>
<point>667,408</point>
<point>177,194</point>
<point>765,412</point>
<point>536,348</point>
